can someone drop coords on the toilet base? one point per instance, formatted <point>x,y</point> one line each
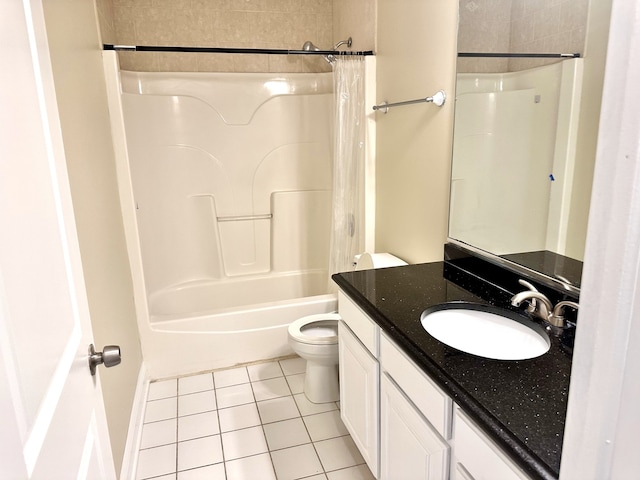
<point>321,383</point>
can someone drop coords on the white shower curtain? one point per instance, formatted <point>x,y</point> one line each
<point>347,233</point>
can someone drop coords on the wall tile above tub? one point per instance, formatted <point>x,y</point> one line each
<point>281,24</point>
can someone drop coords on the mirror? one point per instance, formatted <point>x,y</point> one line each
<point>524,139</point>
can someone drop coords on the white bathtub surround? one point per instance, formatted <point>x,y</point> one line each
<point>225,186</point>
<point>250,422</point>
<point>231,174</point>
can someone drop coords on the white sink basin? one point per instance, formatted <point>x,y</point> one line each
<point>486,334</point>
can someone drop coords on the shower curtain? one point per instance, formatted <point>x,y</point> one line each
<point>347,231</point>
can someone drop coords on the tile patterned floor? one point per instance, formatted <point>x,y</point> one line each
<point>246,423</point>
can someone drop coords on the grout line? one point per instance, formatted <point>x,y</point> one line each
<point>177,410</point>
<point>273,466</point>
<point>281,369</point>
<point>308,433</point>
<point>215,401</point>
<point>262,424</point>
<point>264,435</point>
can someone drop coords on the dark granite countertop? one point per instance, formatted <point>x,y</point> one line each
<point>520,404</point>
<point>552,264</point>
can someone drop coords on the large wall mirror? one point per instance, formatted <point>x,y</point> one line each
<point>518,155</point>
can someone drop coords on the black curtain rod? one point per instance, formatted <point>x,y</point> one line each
<point>276,51</point>
<point>518,55</point>
<point>259,51</point>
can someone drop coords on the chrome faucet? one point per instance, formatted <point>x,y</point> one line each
<point>540,306</point>
<point>533,303</point>
<point>557,316</point>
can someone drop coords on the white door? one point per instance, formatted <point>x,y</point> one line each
<point>52,421</point>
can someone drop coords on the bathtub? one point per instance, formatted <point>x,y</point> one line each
<point>221,297</point>
<point>182,344</point>
<point>226,212</point>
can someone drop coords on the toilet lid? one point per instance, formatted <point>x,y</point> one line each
<point>320,329</point>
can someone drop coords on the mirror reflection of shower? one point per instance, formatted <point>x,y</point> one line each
<point>309,46</point>
<point>515,125</point>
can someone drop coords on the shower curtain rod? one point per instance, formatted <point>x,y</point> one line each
<point>258,51</point>
<point>518,55</point>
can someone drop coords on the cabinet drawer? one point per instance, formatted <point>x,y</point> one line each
<point>480,457</point>
<point>430,400</point>
<point>363,327</point>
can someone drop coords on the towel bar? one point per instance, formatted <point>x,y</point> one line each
<point>438,99</point>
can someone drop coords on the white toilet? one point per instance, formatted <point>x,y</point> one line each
<point>315,338</point>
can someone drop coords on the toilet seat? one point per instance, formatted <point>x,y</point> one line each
<point>319,329</point>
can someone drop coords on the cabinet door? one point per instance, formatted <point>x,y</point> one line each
<point>359,407</point>
<point>410,448</point>
<point>477,457</point>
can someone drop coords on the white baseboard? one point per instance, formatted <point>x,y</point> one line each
<point>130,459</point>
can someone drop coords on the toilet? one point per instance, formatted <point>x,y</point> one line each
<point>315,338</point>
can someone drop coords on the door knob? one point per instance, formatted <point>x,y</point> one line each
<point>110,357</point>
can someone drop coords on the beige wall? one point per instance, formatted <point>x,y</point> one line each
<point>547,26</point>
<point>522,26</point>
<point>349,18</point>
<point>416,56</point>
<point>81,94</point>
<point>277,24</point>
<point>106,21</point>
<point>484,27</point>
<point>355,19</point>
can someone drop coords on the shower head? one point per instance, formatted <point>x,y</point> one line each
<point>330,59</point>
<point>309,47</point>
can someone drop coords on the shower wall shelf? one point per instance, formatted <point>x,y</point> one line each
<point>254,51</point>
<point>437,99</point>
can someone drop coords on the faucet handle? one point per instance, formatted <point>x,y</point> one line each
<point>533,303</point>
<point>557,317</point>
<point>543,305</point>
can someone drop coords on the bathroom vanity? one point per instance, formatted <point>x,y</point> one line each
<point>417,408</point>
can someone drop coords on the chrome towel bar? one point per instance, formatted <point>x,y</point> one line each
<point>438,99</point>
<point>243,218</point>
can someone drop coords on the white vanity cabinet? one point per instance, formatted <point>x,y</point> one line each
<point>409,446</point>
<point>477,457</point>
<point>360,380</point>
<point>415,420</point>
<point>394,436</point>
<point>400,420</point>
